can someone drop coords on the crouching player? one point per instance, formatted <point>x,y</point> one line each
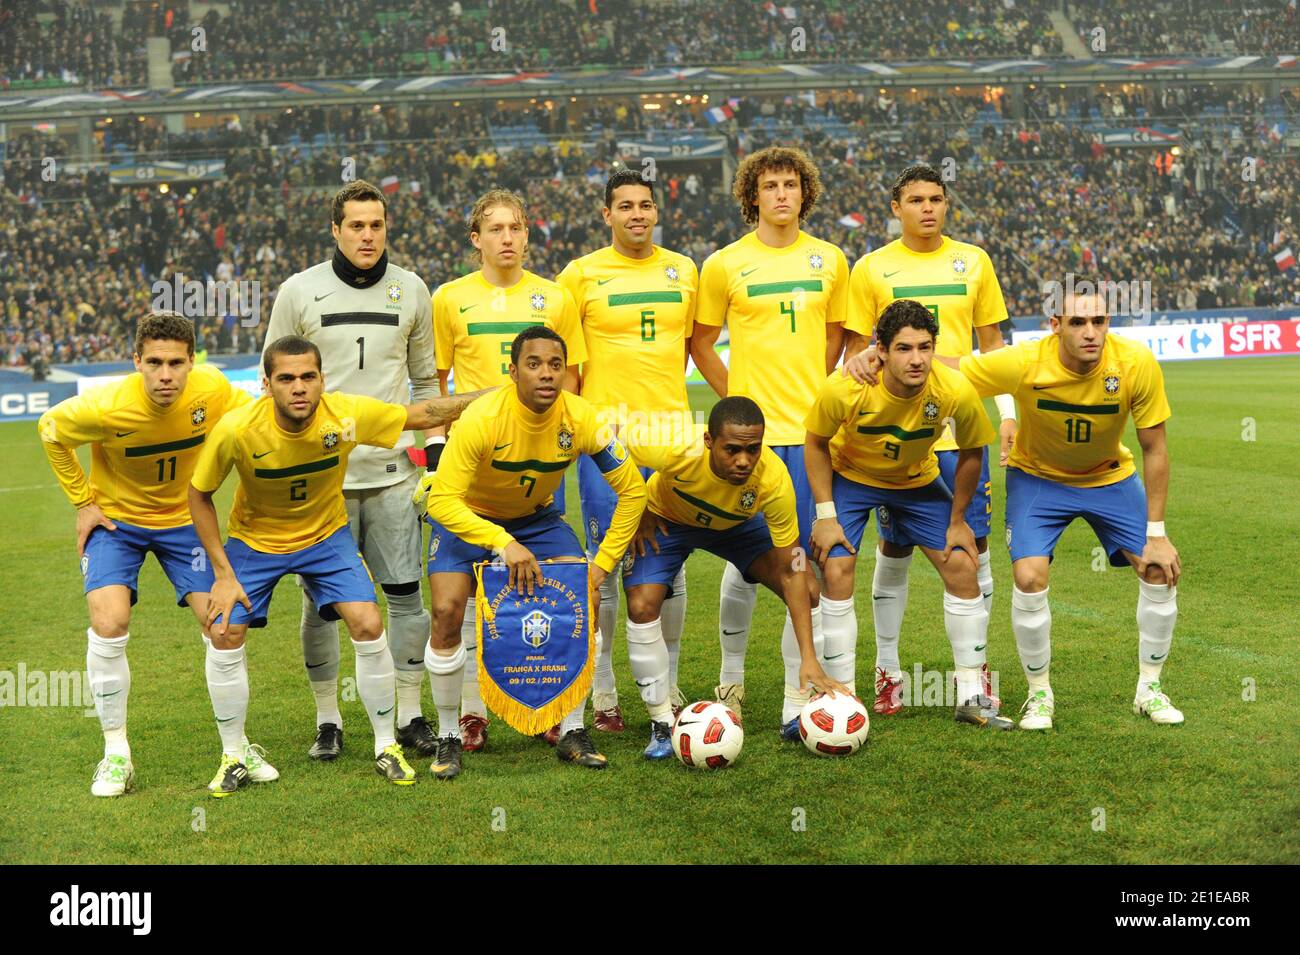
<point>724,492</point>
<point>1076,389</point>
<point>872,448</point>
<point>145,433</point>
<point>493,493</point>
<point>291,450</point>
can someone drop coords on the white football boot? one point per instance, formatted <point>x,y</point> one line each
<point>1153,703</point>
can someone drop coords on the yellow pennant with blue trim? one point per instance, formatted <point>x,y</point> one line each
<point>536,653</point>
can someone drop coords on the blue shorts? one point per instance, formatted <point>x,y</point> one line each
<point>559,502</point>
<point>544,533</point>
<point>918,515</point>
<point>114,557</point>
<point>332,572</point>
<point>598,501</point>
<point>741,546</point>
<point>1039,510</point>
<point>791,456</point>
<point>979,515</point>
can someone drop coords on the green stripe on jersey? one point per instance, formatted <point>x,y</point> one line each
<point>498,328</point>
<point>311,467</point>
<point>896,431</point>
<point>148,449</point>
<point>711,508</point>
<point>1045,404</point>
<point>644,298</point>
<point>911,291</point>
<point>781,288</point>
<point>531,464</point>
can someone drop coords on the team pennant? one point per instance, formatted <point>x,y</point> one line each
<point>536,653</point>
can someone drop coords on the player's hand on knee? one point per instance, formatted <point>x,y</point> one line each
<point>1007,436</point>
<point>525,573</point>
<point>88,518</point>
<point>960,535</point>
<point>651,524</point>
<point>864,367</point>
<point>1160,552</point>
<point>421,496</point>
<point>812,674</point>
<point>826,533</point>
<point>226,592</point>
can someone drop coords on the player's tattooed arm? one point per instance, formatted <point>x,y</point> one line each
<point>440,410</point>
<point>226,590</point>
<point>1159,552</point>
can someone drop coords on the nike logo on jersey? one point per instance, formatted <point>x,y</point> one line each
<point>1041,387</point>
<point>466,308</point>
<point>325,296</point>
<point>262,455</point>
<point>861,413</point>
<point>603,281</point>
<point>500,447</point>
<point>895,272</point>
<point>747,271</point>
<point>123,434</point>
<point>678,477</point>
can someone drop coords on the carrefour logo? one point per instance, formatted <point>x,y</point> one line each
<point>1199,340</point>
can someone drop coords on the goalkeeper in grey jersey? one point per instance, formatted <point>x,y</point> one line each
<point>373,324</point>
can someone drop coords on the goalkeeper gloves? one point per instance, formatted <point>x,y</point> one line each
<point>421,496</point>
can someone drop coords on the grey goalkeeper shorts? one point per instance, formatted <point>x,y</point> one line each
<point>387,530</point>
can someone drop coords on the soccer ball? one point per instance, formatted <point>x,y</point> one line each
<point>833,726</point>
<point>707,735</point>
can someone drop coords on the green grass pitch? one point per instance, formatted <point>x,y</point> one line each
<point>1103,787</point>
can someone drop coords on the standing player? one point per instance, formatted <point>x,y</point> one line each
<point>145,433</point>
<point>492,494</point>
<point>636,302</point>
<point>870,447</point>
<point>724,492</point>
<point>783,295</point>
<point>955,281</point>
<point>291,449</point>
<point>475,320</point>
<point>1076,389</point>
<point>370,320</point>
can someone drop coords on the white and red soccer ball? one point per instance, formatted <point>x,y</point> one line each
<point>707,735</point>
<point>834,726</point>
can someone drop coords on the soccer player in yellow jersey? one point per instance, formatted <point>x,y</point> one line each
<point>475,320</point>
<point>636,302</point>
<point>871,448</point>
<point>145,433</point>
<point>784,297</point>
<point>493,494</point>
<point>1076,389</point>
<point>725,492</point>
<point>291,450</point>
<point>956,282</point>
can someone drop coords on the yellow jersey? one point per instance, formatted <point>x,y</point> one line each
<point>290,493</point>
<point>474,323</point>
<point>142,455</point>
<point>880,439</point>
<point>1071,425</point>
<point>636,316</point>
<point>685,490</point>
<point>777,304</point>
<point>504,461</point>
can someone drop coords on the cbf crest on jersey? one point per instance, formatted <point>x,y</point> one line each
<point>394,292</point>
<point>1111,382</point>
<point>670,273</point>
<point>959,266</point>
<point>816,261</point>
<point>329,440</point>
<point>198,413</point>
<point>564,439</point>
<point>748,499</point>
<point>930,410</point>
<point>537,301</point>
<point>536,653</point>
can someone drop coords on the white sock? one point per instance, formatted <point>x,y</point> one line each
<point>1031,622</point>
<point>673,615</point>
<point>794,697</point>
<point>327,702</point>
<point>573,719</point>
<point>603,679</point>
<point>409,683</point>
<point>888,603</point>
<point>967,623</point>
<point>471,700</point>
<point>1157,612</point>
<point>375,686</point>
<point>984,577</point>
<point>110,681</point>
<point>228,688</point>
<point>648,657</point>
<point>840,625</point>
<point>445,680</point>
<point>735,612</point>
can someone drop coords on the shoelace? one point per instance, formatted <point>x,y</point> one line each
<point>1157,700</point>
<point>585,745</point>
<point>254,756</point>
<point>1036,705</point>
<point>112,771</point>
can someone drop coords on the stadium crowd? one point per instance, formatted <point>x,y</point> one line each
<point>74,41</point>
